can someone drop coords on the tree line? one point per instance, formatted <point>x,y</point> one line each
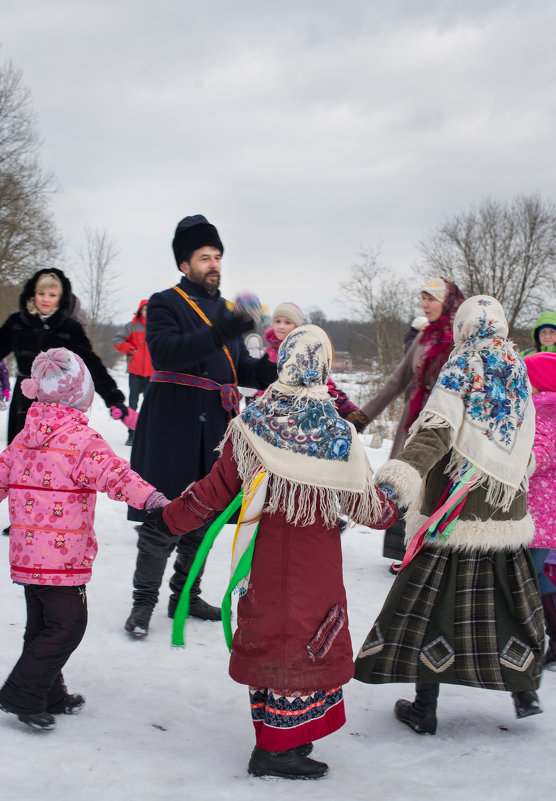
<point>505,249</point>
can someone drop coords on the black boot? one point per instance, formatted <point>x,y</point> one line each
<point>285,764</point>
<point>130,435</point>
<point>71,704</point>
<point>149,570</point>
<point>35,720</point>
<point>421,714</point>
<point>526,703</point>
<point>138,622</point>
<point>43,721</point>
<point>197,606</point>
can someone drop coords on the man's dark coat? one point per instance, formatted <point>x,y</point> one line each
<point>180,426</point>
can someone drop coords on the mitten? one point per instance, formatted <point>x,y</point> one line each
<point>265,371</point>
<point>130,420</point>
<point>229,327</point>
<point>359,420</point>
<point>119,411</point>
<point>6,394</point>
<point>155,500</point>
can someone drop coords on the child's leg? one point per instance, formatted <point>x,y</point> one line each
<point>57,619</point>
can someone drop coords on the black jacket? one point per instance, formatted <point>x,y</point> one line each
<point>26,335</point>
<point>179,427</point>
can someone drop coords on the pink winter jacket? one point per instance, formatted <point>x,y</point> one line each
<point>541,498</point>
<point>51,472</point>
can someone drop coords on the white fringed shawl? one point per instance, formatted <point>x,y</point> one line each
<point>314,458</point>
<point>483,394</point>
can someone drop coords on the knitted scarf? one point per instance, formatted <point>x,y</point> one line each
<point>437,341</point>
<point>483,394</point>
<point>313,458</point>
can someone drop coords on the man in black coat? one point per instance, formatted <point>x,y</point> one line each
<point>199,359</point>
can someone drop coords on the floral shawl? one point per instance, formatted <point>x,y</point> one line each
<point>437,341</point>
<point>484,395</point>
<point>314,458</point>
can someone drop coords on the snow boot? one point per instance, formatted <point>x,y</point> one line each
<point>130,435</point>
<point>42,721</point>
<point>421,714</point>
<point>549,606</point>
<point>304,749</point>
<point>197,606</point>
<point>285,764</point>
<point>69,705</point>
<point>526,703</point>
<point>138,622</point>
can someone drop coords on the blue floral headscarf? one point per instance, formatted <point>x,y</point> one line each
<point>295,433</point>
<point>484,394</point>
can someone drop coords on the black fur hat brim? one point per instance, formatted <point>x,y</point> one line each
<point>189,238</point>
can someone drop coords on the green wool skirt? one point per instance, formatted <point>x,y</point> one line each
<point>453,617</point>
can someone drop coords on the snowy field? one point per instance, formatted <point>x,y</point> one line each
<point>163,724</point>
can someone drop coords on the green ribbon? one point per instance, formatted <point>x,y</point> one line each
<point>242,569</point>
<point>182,610</point>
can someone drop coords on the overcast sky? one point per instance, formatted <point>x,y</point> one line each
<point>305,131</point>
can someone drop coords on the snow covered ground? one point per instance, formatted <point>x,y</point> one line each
<point>163,723</point>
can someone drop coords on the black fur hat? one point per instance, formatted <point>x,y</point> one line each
<point>193,233</point>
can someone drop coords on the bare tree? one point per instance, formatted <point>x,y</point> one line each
<point>374,296</point>
<point>28,235</point>
<point>507,250</point>
<point>96,280</point>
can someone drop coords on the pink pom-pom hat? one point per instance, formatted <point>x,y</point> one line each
<point>60,376</point>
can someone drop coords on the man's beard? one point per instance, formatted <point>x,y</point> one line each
<point>210,286</point>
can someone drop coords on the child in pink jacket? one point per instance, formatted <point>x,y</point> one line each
<point>541,497</point>
<point>51,473</point>
<point>285,318</point>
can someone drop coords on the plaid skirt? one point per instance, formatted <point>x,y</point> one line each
<point>453,617</point>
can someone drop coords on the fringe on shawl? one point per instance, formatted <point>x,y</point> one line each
<point>499,495</point>
<point>298,501</point>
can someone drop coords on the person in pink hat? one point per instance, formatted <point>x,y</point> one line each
<point>51,472</point>
<point>541,497</point>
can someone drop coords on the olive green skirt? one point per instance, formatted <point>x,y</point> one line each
<point>453,617</point>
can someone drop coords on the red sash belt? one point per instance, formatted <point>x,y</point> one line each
<point>229,393</point>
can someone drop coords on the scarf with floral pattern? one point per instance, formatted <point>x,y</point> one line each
<point>314,458</point>
<point>484,395</point>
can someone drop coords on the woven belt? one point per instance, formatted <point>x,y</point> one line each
<point>229,393</point>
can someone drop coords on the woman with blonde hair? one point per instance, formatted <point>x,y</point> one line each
<point>47,319</point>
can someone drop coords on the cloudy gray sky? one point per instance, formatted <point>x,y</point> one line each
<point>305,131</point>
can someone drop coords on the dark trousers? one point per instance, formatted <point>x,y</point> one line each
<point>137,386</point>
<point>153,550</point>
<point>56,623</point>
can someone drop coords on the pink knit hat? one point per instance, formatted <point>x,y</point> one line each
<point>541,368</point>
<point>60,376</point>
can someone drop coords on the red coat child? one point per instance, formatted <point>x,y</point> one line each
<point>292,644</point>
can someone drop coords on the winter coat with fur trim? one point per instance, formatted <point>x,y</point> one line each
<point>541,497</point>
<point>295,582</point>
<point>52,472</point>
<point>26,335</point>
<point>418,478</point>
<point>131,341</point>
